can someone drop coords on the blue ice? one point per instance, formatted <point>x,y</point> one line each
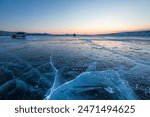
<point>91,84</point>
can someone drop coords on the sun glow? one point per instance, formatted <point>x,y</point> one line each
<point>74,16</point>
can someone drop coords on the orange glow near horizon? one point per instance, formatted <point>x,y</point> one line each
<point>74,16</point>
<point>85,31</point>
<point>93,31</point>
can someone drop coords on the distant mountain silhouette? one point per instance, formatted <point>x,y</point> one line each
<point>6,33</point>
<point>133,33</point>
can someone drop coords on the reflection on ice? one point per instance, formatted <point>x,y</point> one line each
<point>81,68</point>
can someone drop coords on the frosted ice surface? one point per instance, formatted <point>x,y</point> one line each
<point>96,68</point>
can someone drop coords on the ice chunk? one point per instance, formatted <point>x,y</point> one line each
<point>93,85</point>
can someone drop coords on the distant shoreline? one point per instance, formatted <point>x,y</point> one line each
<point>133,33</point>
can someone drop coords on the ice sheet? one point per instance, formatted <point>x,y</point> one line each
<point>27,72</point>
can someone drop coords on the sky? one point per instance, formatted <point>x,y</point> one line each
<point>74,16</point>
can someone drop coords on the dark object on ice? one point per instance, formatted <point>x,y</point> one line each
<point>19,35</point>
<point>74,35</point>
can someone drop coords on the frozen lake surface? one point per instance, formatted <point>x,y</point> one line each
<point>85,67</point>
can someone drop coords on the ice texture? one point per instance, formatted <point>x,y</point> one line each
<point>93,85</point>
<point>83,67</point>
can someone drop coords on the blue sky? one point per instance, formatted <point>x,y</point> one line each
<point>74,16</point>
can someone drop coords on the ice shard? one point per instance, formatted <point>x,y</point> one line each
<point>94,85</point>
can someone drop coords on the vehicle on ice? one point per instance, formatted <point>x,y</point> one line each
<point>19,35</point>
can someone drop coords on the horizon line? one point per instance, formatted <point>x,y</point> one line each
<point>113,32</point>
